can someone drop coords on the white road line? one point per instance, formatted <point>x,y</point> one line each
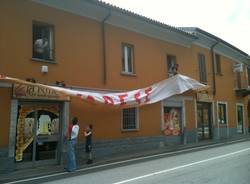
<point>182,166</point>
<point>125,161</point>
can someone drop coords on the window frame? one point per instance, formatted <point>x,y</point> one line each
<point>218,64</point>
<point>132,73</point>
<point>52,47</point>
<point>225,113</point>
<point>136,120</point>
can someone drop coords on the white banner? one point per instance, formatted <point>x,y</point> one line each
<point>177,84</point>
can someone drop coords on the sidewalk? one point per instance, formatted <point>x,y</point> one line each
<point>116,160</point>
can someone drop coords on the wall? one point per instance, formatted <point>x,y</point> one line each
<point>77,45</point>
<point>107,121</point>
<point>78,56</point>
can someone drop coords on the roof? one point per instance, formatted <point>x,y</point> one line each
<point>193,30</point>
<point>142,18</point>
<point>187,31</point>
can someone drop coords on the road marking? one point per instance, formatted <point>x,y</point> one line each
<point>126,161</point>
<point>181,167</point>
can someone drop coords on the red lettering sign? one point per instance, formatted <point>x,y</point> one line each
<point>79,95</point>
<point>91,98</point>
<point>108,100</point>
<point>147,92</point>
<point>122,97</point>
<point>137,97</point>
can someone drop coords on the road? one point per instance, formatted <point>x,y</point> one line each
<point>228,164</point>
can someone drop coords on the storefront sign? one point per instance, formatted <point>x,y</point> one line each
<point>204,97</point>
<point>36,92</point>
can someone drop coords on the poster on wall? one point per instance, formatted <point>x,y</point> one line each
<point>172,121</point>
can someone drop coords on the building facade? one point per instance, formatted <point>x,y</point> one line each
<point>91,45</point>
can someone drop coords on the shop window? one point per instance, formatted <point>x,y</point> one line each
<point>172,121</point>
<point>222,113</point>
<point>43,41</point>
<point>218,64</point>
<point>172,66</point>
<point>202,67</point>
<point>128,59</point>
<point>130,119</point>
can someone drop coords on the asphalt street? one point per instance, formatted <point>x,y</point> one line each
<point>228,164</point>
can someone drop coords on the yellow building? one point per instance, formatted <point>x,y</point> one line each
<point>94,46</point>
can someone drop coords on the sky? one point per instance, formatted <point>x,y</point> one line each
<point>226,19</point>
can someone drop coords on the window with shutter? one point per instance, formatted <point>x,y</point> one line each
<point>202,68</point>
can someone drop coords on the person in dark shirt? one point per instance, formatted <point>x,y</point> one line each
<point>88,144</point>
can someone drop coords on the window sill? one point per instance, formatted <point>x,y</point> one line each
<point>128,74</point>
<point>130,130</point>
<point>219,74</point>
<point>43,60</point>
<point>203,82</point>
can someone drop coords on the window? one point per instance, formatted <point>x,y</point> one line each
<point>217,64</point>
<point>202,68</point>
<point>128,59</point>
<point>171,65</point>
<point>222,113</point>
<point>129,119</point>
<point>43,41</point>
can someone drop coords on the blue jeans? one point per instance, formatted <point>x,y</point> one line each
<point>71,157</point>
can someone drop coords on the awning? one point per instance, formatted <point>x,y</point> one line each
<point>175,85</point>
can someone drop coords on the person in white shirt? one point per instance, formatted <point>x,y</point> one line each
<point>72,140</point>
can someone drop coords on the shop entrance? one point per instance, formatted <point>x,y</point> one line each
<point>38,133</point>
<point>204,121</point>
<point>240,118</point>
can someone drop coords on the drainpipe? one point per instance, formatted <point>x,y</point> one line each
<point>214,85</point>
<point>104,48</point>
<point>213,70</point>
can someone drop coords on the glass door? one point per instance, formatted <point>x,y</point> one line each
<point>38,133</point>
<point>240,127</point>
<point>204,121</point>
<point>47,133</point>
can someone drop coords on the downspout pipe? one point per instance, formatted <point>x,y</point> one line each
<point>104,47</point>
<point>213,67</point>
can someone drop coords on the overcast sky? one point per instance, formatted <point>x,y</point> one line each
<point>227,19</point>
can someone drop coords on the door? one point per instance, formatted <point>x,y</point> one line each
<point>38,134</point>
<point>240,125</point>
<point>204,121</point>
